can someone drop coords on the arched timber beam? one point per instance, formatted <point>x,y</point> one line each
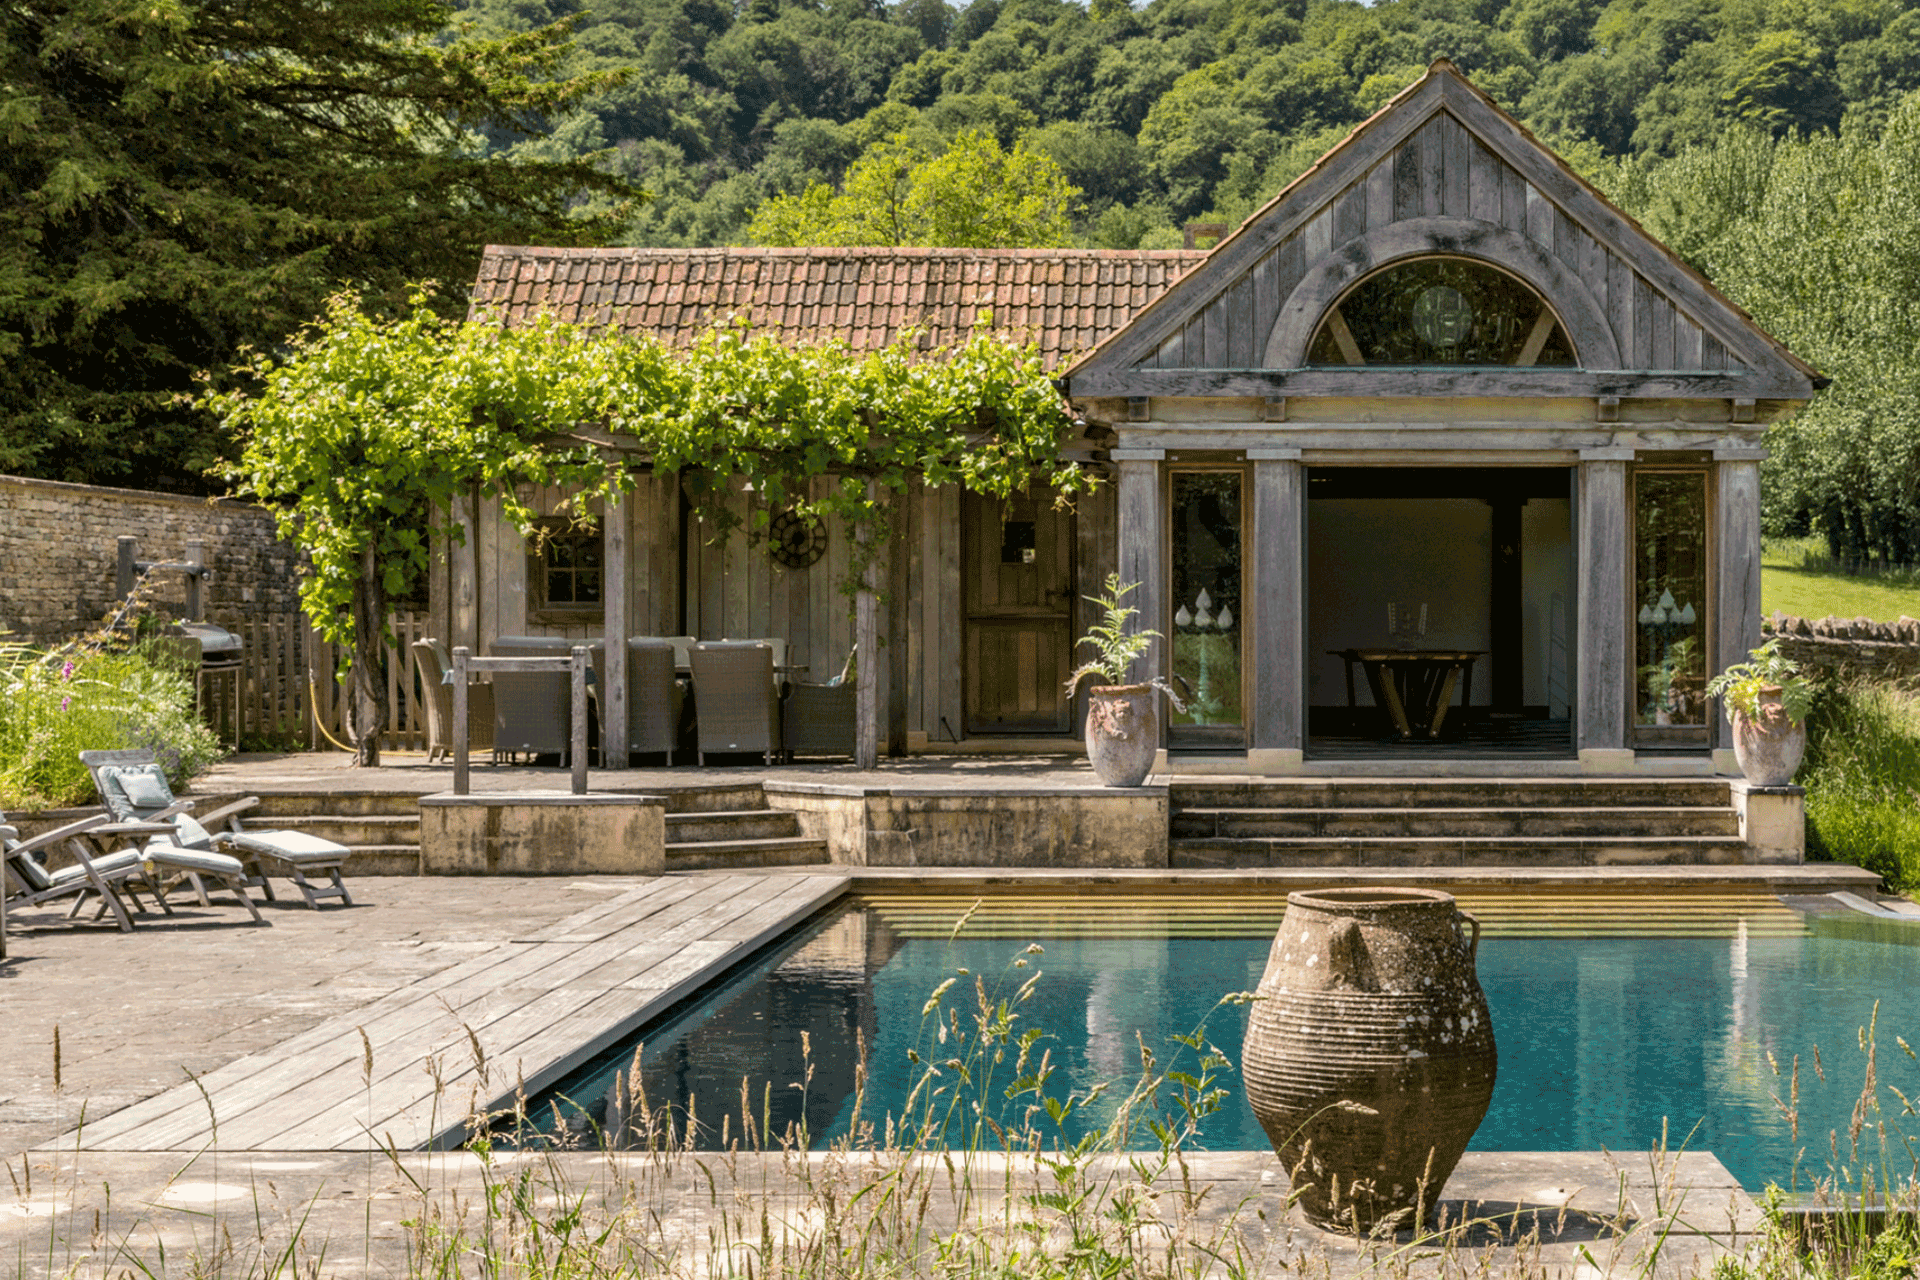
<point>1579,311</point>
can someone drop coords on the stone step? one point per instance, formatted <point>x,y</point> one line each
<point>1473,851</point>
<point>1443,793</point>
<point>275,806</point>
<point>380,860</point>
<point>351,829</point>
<point>747,824</point>
<point>1703,820</point>
<point>729,797</point>
<point>703,855</point>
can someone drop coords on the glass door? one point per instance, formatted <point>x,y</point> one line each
<point>1206,524</point>
<point>1670,608</point>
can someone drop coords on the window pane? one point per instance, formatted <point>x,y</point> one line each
<point>1446,311</point>
<point>1670,598</point>
<point>1208,618</point>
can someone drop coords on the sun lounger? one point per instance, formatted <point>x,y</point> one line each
<point>28,883</point>
<point>133,788</point>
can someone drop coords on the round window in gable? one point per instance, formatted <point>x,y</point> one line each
<point>797,541</point>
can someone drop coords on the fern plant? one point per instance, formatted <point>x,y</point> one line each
<point>1740,685</point>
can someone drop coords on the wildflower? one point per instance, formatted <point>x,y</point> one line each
<point>66,702</point>
<point>66,672</point>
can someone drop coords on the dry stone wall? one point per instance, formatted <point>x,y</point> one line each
<point>58,554</point>
<point>1850,647</point>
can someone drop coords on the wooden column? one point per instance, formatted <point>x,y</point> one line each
<point>1737,553</point>
<point>899,589</point>
<point>1142,549</point>
<point>1277,660</point>
<point>1604,665</point>
<point>463,578</point>
<point>614,595</point>
<point>866,640</point>
<point>1505,659</point>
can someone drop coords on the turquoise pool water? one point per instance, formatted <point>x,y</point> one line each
<point>1603,1039</point>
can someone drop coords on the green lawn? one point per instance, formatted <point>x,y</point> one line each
<point>1796,578</point>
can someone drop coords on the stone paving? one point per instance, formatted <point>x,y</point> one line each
<point>137,1012</point>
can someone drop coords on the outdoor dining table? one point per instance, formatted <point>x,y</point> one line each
<point>1414,685</point>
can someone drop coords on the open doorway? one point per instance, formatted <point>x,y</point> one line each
<point>1439,612</point>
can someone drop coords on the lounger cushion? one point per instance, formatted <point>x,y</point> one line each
<point>289,846</point>
<point>134,791</point>
<point>168,856</point>
<point>107,866</point>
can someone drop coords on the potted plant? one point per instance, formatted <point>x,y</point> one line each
<point>1767,700</point>
<point>1123,720</point>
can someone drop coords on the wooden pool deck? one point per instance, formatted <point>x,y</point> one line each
<point>414,1063</point>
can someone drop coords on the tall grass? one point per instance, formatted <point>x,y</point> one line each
<point>56,703</point>
<point>1862,775</point>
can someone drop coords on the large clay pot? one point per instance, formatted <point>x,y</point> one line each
<point>1123,732</point>
<point>1769,748</point>
<point>1369,1056</point>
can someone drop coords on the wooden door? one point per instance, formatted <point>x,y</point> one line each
<point>1018,593</point>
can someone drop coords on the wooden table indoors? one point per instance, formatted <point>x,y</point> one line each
<point>1414,685</point>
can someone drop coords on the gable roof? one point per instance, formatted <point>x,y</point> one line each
<point>1442,169</point>
<point>1064,300</point>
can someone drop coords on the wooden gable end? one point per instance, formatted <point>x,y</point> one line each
<point>1441,170</point>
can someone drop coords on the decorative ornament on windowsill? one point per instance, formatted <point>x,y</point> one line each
<point>1204,629</point>
<point>1123,720</point>
<point>1670,626</point>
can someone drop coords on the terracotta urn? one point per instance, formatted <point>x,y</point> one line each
<point>1769,746</point>
<point>1369,1057</point>
<point>1123,732</point>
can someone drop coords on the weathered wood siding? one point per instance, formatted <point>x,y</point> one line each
<point>1440,170</point>
<point>735,590</point>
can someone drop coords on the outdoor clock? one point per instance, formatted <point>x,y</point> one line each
<point>798,541</point>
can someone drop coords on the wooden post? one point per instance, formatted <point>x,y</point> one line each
<point>1737,542</point>
<point>866,639</point>
<point>577,743</point>
<point>460,655</point>
<point>1142,558</point>
<point>1277,660</point>
<point>124,572</point>
<point>1603,662</point>
<point>898,588</point>
<point>614,590</point>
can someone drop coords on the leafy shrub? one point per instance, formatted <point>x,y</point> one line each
<point>57,703</point>
<point>1862,775</point>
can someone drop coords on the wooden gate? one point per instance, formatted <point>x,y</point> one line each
<point>1019,610</point>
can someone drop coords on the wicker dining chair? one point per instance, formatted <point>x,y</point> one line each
<point>430,659</point>
<point>533,710</point>
<point>733,686</point>
<point>653,697</point>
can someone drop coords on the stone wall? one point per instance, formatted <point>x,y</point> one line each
<point>58,555</point>
<point>1850,647</point>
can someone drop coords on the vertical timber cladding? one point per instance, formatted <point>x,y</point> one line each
<point>1019,589</point>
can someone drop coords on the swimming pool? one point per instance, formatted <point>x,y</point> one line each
<point>1615,1014</point>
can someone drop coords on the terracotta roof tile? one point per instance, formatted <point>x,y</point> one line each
<point>1067,300</point>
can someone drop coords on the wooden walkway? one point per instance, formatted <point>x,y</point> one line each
<point>531,1007</point>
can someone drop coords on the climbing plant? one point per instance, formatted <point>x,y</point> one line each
<point>364,432</point>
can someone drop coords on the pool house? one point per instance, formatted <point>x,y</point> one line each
<point>1438,457</point>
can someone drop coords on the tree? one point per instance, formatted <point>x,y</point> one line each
<point>363,432</point>
<point>187,178</point>
<point>972,195</point>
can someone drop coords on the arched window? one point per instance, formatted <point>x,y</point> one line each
<point>1444,311</point>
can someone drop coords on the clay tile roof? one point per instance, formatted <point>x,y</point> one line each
<point>1066,300</point>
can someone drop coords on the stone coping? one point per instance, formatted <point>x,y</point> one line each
<point>957,788</point>
<point>543,799</point>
